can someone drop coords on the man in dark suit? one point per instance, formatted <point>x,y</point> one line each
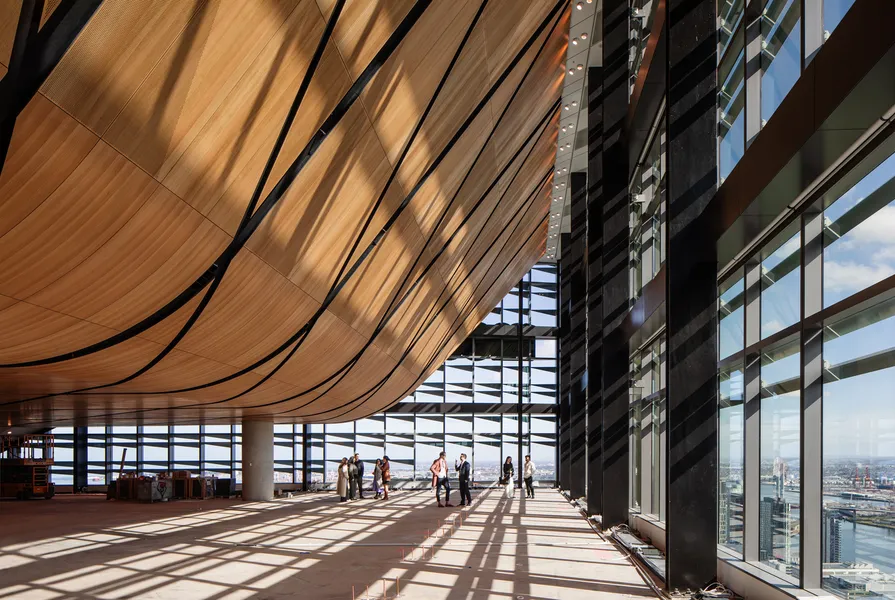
<point>360,475</point>
<point>463,471</point>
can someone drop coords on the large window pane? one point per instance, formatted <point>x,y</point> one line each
<point>859,454</point>
<point>780,465</point>
<point>781,57</point>
<point>780,285</point>
<point>730,464</point>
<point>731,316</point>
<point>731,100</point>
<point>859,235</point>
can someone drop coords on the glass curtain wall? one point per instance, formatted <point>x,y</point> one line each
<point>647,226</point>
<point>647,422</point>
<point>484,370</point>
<point>767,336</point>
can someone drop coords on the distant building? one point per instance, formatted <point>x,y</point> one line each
<point>839,540</point>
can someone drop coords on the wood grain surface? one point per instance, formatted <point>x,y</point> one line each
<point>129,172</point>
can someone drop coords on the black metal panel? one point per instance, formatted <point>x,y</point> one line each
<point>79,458</point>
<point>692,295</point>
<point>616,293</point>
<point>595,290</point>
<point>565,355</point>
<point>578,336</point>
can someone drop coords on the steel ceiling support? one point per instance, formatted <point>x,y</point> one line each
<point>26,32</point>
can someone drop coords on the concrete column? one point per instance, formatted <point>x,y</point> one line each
<point>257,460</point>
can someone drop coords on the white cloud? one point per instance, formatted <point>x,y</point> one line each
<point>789,247</point>
<point>850,276</point>
<point>771,327</point>
<point>879,228</point>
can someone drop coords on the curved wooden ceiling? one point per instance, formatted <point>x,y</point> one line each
<point>136,288</point>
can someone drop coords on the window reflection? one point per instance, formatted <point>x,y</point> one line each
<point>730,455</point>
<point>780,464</point>
<point>859,235</point>
<point>647,228</point>
<point>780,285</point>
<point>859,453</point>
<point>731,315</point>
<point>781,59</point>
<point>834,10</point>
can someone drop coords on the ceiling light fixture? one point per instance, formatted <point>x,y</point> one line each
<point>579,6</point>
<point>583,36</point>
<point>574,104</point>
<point>579,67</point>
<point>574,41</point>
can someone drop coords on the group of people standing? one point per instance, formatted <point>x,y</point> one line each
<point>351,478</point>
<point>528,474</point>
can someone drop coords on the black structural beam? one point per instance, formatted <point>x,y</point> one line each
<point>595,290</point>
<point>578,336</point>
<point>565,355</point>
<point>691,297</point>
<point>36,52</point>
<point>616,292</point>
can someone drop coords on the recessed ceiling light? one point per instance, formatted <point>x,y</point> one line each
<point>571,71</point>
<point>574,41</point>
<point>565,170</point>
<point>579,67</point>
<point>579,6</point>
<point>583,36</point>
<point>566,107</point>
<point>574,104</point>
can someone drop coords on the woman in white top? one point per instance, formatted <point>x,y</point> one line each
<point>342,485</point>
<point>528,473</point>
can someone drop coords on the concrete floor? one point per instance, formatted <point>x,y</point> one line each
<point>308,547</point>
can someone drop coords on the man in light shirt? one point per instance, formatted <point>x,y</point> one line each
<point>528,473</point>
<point>440,471</point>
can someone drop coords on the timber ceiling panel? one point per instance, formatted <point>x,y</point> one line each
<point>143,279</point>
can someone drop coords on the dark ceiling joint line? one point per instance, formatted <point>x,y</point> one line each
<point>410,141</point>
<point>546,122</point>
<point>428,322</point>
<point>337,284</point>
<point>432,168</point>
<point>298,338</point>
<point>272,199</point>
<point>431,317</point>
<point>452,331</point>
<point>304,331</point>
<point>392,308</point>
<point>387,317</point>
<point>222,265</point>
